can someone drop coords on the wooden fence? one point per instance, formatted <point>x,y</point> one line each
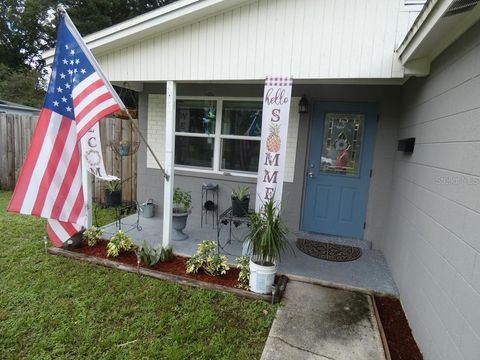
<point>15,135</point>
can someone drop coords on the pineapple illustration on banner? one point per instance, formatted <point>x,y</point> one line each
<point>273,139</point>
<point>273,147</point>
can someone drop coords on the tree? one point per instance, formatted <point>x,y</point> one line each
<point>21,86</point>
<point>27,28</point>
<point>92,15</point>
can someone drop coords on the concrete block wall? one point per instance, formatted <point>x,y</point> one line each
<point>432,242</point>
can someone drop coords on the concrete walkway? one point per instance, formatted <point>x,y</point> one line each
<point>317,322</point>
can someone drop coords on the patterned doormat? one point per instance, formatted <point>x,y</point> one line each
<point>328,251</point>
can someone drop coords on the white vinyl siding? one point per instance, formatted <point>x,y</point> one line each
<point>308,39</point>
<point>156,136</point>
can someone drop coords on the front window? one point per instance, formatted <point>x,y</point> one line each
<point>195,133</point>
<point>223,140</point>
<point>241,130</point>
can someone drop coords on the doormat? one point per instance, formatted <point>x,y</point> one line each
<point>328,251</point>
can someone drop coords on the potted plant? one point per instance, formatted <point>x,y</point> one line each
<point>113,193</point>
<point>124,147</point>
<point>267,239</point>
<point>240,201</point>
<point>182,202</point>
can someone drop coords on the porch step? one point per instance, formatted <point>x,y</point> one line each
<point>362,244</point>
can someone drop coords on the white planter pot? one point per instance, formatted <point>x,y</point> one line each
<point>262,278</point>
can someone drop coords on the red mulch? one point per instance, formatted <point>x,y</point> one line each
<point>175,266</point>
<point>399,336</point>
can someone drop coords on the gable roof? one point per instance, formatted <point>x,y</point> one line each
<point>155,21</point>
<point>438,25</point>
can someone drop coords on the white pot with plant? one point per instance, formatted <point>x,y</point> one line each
<point>182,202</point>
<point>267,239</point>
<point>240,201</point>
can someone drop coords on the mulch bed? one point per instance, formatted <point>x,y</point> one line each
<point>175,266</point>
<point>399,336</point>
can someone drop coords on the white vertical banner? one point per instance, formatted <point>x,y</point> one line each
<point>92,156</point>
<point>273,146</point>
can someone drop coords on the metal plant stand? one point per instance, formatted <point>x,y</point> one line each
<point>227,219</point>
<point>209,204</point>
<point>122,210</point>
<point>123,148</point>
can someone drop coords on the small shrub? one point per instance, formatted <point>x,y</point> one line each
<point>166,254</point>
<point>153,254</point>
<point>119,243</point>
<point>92,235</point>
<point>207,260</point>
<point>243,263</point>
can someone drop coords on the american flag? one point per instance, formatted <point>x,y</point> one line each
<point>50,182</point>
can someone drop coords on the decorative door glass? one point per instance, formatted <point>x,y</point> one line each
<point>342,143</point>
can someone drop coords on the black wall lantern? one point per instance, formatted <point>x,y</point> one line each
<point>303,105</point>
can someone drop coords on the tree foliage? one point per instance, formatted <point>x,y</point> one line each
<point>27,28</point>
<point>93,15</point>
<point>23,86</point>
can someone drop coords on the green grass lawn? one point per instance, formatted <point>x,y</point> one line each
<point>53,307</point>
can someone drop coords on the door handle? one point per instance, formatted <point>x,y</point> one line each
<point>310,174</point>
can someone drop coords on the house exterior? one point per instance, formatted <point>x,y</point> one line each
<point>9,107</point>
<point>374,72</point>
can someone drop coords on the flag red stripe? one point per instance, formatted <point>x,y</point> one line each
<point>60,231</point>
<point>69,228</point>
<point>96,118</point>
<point>77,207</point>
<point>90,106</point>
<point>31,159</point>
<point>53,237</point>
<point>50,170</point>
<point>90,88</point>
<point>66,185</point>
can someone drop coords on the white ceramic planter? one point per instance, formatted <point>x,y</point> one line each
<point>262,278</point>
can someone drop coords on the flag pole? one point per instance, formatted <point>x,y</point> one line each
<point>87,191</point>
<point>135,126</point>
<point>97,67</point>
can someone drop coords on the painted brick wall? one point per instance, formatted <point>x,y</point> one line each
<point>156,128</point>
<point>433,234</point>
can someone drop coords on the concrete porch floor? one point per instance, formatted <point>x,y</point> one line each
<point>370,272</point>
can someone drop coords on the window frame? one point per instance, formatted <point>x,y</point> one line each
<point>217,137</point>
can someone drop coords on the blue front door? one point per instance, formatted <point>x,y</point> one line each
<point>342,137</point>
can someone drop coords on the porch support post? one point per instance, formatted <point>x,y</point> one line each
<point>169,162</point>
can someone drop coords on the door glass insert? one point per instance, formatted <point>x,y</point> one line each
<point>342,143</point>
